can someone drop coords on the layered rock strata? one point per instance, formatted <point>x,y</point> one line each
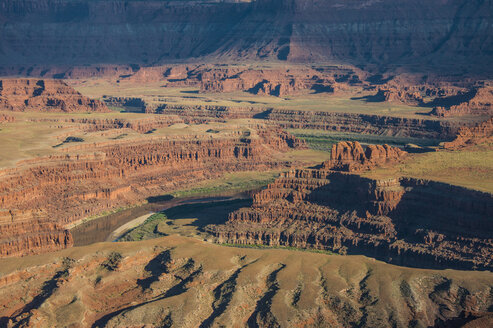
<point>59,190</point>
<point>319,120</point>
<point>275,82</point>
<point>190,113</point>
<point>350,156</point>
<point>45,96</point>
<point>481,133</point>
<point>478,101</point>
<point>25,232</point>
<point>140,125</point>
<point>364,123</point>
<point>306,119</point>
<point>148,32</point>
<point>404,221</point>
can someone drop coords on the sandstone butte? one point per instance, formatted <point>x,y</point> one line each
<point>478,101</point>
<point>41,197</point>
<point>45,95</point>
<point>350,156</point>
<point>405,221</point>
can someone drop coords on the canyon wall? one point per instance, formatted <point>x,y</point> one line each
<point>308,119</point>
<point>405,221</point>
<point>45,96</point>
<point>364,123</point>
<point>477,101</point>
<point>378,33</point>
<point>279,82</point>
<point>470,136</point>
<point>43,195</point>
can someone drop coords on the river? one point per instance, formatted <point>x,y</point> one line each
<point>105,228</point>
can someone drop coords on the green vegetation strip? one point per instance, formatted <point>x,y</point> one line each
<point>147,230</point>
<point>323,140</point>
<point>231,185</point>
<point>185,220</point>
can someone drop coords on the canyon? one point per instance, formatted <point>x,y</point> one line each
<point>246,163</point>
<point>115,168</point>
<point>92,178</point>
<point>438,100</point>
<point>405,221</point>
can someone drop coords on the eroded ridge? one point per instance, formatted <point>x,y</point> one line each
<point>406,221</point>
<point>162,284</point>
<point>45,96</point>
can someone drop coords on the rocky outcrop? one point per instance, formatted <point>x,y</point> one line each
<point>478,101</point>
<point>45,96</point>
<point>350,156</point>
<point>4,118</point>
<point>24,232</point>
<point>404,221</point>
<point>273,82</point>
<point>415,90</point>
<point>447,99</point>
<point>481,133</point>
<point>92,178</point>
<point>413,98</point>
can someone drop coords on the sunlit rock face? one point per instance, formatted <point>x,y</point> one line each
<point>379,33</point>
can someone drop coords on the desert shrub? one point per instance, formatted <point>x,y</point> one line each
<point>73,139</point>
<point>112,262</point>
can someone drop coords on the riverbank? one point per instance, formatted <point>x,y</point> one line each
<point>115,225</point>
<point>120,231</point>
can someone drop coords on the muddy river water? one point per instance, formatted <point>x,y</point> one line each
<point>103,228</point>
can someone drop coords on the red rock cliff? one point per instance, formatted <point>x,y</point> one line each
<point>370,32</point>
<point>481,133</point>
<point>350,156</point>
<point>45,194</point>
<point>45,96</point>
<point>403,221</point>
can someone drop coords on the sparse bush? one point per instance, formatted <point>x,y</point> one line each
<point>112,262</point>
<point>66,265</point>
<point>73,139</point>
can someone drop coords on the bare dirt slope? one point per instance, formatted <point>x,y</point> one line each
<point>183,282</point>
